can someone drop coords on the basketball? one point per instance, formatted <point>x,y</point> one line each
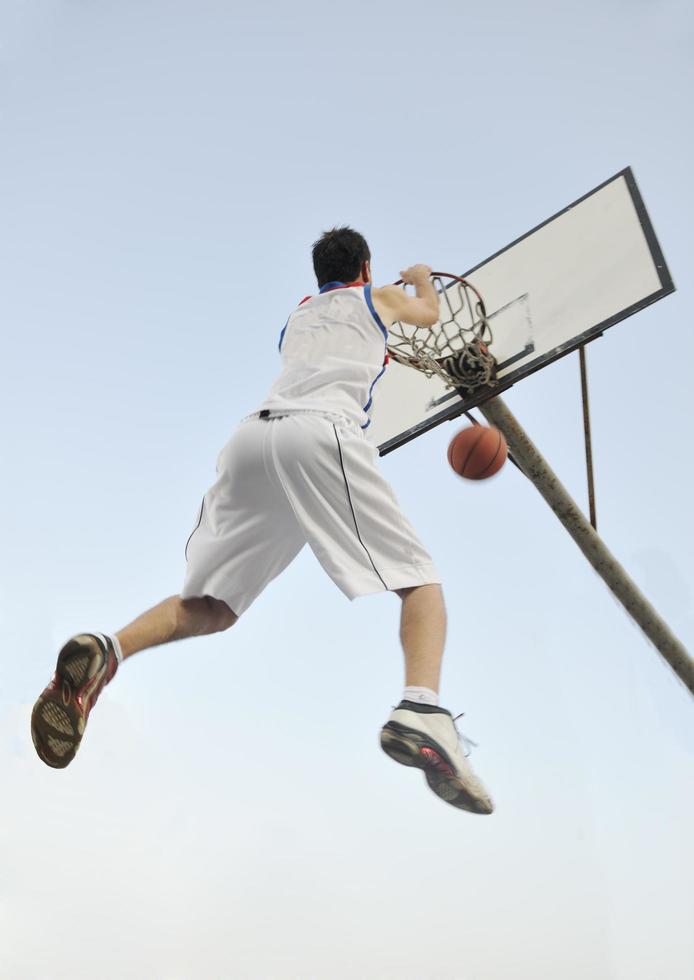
<point>477,452</point>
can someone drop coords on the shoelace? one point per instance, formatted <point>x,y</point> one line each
<point>468,744</point>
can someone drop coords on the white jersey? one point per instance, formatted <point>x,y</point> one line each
<point>333,351</point>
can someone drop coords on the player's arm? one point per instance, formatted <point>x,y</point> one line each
<point>421,310</point>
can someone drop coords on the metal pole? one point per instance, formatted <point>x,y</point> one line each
<point>586,433</point>
<point>608,568</point>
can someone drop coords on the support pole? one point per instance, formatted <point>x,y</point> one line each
<point>586,435</point>
<point>608,568</point>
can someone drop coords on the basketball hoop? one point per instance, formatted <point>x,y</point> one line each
<point>456,348</point>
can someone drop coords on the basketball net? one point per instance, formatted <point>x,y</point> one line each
<point>455,348</point>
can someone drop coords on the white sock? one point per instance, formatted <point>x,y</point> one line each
<point>422,695</point>
<point>116,647</point>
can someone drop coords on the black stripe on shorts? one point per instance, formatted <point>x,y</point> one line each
<point>351,507</point>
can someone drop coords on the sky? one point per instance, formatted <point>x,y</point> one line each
<point>164,169</point>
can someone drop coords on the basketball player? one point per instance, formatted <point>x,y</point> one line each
<point>301,470</point>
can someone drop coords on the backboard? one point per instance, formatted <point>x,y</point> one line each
<point>554,289</point>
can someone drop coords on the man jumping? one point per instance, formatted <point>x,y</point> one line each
<point>301,470</point>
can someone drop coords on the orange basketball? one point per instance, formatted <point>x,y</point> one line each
<point>477,452</point>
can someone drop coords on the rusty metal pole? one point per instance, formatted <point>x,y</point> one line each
<point>605,564</point>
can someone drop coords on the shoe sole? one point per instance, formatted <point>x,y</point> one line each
<point>411,748</point>
<point>57,725</point>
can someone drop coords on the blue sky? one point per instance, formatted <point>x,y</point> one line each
<point>164,170</point>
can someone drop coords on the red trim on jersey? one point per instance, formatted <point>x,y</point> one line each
<point>346,285</point>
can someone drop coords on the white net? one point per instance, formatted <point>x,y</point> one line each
<point>456,347</point>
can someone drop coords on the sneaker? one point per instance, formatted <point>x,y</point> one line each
<point>85,665</point>
<point>425,736</point>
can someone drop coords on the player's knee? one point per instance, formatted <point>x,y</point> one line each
<point>221,616</point>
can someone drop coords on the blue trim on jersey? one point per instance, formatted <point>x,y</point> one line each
<point>284,330</point>
<point>330,285</point>
<point>374,314</point>
<point>379,321</point>
<point>371,390</point>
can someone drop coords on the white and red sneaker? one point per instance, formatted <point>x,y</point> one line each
<point>425,736</point>
<point>85,665</point>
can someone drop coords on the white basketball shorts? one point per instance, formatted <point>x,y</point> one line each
<point>294,479</point>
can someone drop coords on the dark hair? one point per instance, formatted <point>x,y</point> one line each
<point>338,255</point>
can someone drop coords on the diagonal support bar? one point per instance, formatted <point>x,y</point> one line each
<point>605,564</point>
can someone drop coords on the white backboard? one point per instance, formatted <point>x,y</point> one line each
<point>551,291</point>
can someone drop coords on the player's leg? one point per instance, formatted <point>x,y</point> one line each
<point>88,661</point>
<point>422,635</point>
<point>246,534</point>
<point>419,733</point>
<point>175,619</point>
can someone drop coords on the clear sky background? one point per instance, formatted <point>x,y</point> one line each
<point>164,169</point>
